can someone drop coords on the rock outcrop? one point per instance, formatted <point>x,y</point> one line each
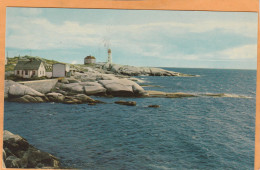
<point>93,88</point>
<point>72,88</point>
<point>15,89</point>
<point>147,71</point>
<point>55,97</point>
<point>122,87</point>
<point>16,92</point>
<point>19,93</point>
<point>42,86</point>
<point>20,154</point>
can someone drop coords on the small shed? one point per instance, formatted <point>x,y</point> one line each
<point>89,60</point>
<point>60,70</point>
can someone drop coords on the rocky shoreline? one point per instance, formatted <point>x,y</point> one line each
<point>78,89</point>
<point>115,81</point>
<point>141,71</point>
<point>18,153</point>
<point>108,81</point>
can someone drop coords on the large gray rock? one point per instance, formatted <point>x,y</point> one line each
<point>94,88</point>
<point>20,154</point>
<point>117,88</point>
<point>42,86</point>
<point>108,77</point>
<point>84,98</point>
<point>88,77</point>
<point>14,142</point>
<point>122,87</point>
<point>55,97</point>
<point>14,89</point>
<point>33,99</point>
<point>4,155</point>
<point>73,87</point>
<point>8,83</point>
<point>136,71</point>
<point>126,70</point>
<point>28,99</point>
<point>79,99</point>
<point>13,162</point>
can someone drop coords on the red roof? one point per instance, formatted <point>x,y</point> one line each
<point>90,57</point>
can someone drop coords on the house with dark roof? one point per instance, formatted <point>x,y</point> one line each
<point>28,68</point>
<point>89,60</point>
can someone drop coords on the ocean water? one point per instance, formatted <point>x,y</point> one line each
<point>184,133</point>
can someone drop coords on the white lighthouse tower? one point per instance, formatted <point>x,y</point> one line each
<point>109,57</point>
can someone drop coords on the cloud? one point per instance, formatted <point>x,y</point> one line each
<point>199,40</point>
<point>74,62</point>
<point>39,33</point>
<point>26,32</point>
<point>242,52</point>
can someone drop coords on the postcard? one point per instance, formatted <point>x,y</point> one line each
<point>129,89</point>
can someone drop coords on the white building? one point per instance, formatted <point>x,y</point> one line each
<point>89,60</point>
<point>28,68</point>
<point>60,70</point>
<point>109,57</point>
<point>48,71</point>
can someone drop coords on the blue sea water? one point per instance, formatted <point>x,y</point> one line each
<point>184,133</point>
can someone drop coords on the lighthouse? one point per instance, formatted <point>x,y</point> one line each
<point>109,57</point>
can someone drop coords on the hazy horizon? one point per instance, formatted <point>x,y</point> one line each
<point>181,39</point>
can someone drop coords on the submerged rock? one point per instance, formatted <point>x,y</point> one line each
<point>179,95</point>
<point>156,106</point>
<point>225,95</point>
<point>156,94</point>
<point>169,95</point>
<point>128,103</point>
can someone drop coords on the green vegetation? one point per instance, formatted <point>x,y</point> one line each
<point>13,61</point>
<point>17,78</point>
<point>90,64</point>
<point>9,67</point>
<point>48,63</point>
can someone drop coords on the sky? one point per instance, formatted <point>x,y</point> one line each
<point>159,38</point>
